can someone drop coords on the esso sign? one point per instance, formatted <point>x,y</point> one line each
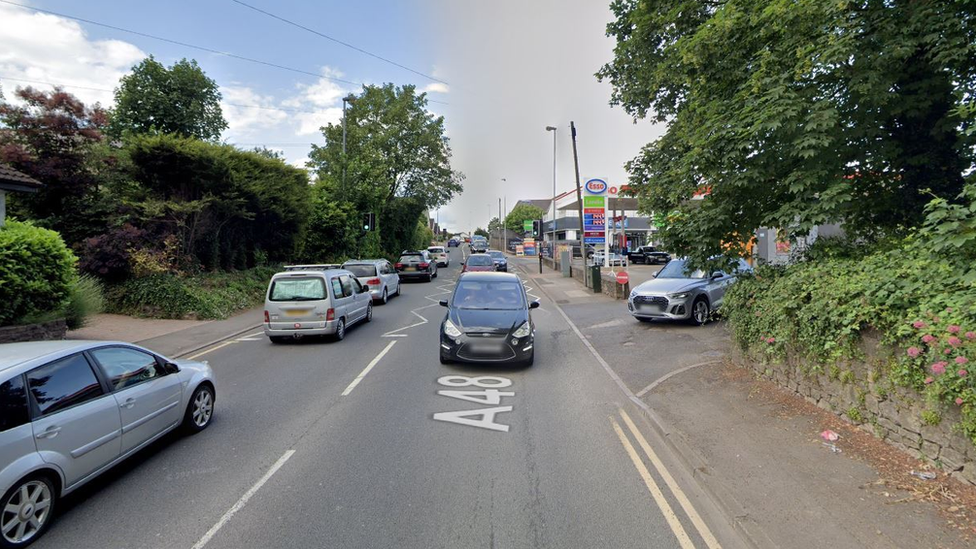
<point>596,186</point>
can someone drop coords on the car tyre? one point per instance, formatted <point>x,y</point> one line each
<point>385,297</point>
<point>399,287</point>
<point>699,312</point>
<point>277,339</point>
<point>340,332</point>
<point>48,495</point>
<point>199,412</point>
<point>429,277</point>
<point>369,312</point>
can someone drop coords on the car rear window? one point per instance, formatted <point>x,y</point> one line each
<point>472,294</point>
<point>306,288</point>
<point>412,258</point>
<point>436,250</point>
<point>13,404</point>
<point>496,255</point>
<point>361,270</point>
<point>480,261</point>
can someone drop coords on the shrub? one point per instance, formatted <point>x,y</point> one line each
<point>85,298</point>
<point>36,271</point>
<point>108,256</point>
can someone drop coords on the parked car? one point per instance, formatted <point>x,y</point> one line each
<point>378,274</point>
<point>488,320</point>
<point>616,260</point>
<point>512,244</point>
<point>478,263</point>
<point>70,410</point>
<point>440,256</point>
<point>501,262</point>
<point>590,250</point>
<point>416,264</point>
<point>648,255</point>
<point>315,303</point>
<point>678,293</point>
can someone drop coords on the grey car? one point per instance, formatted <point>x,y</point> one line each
<point>678,293</point>
<point>315,303</point>
<point>70,410</point>
<point>378,274</point>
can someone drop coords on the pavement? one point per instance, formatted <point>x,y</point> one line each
<point>370,442</point>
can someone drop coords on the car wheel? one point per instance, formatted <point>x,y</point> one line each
<point>369,312</point>
<point>385,298</point>
<point>428,278</point>
<point>399,287</point>
<point>26,511</point>
<point>340,332</point>
<point>277,339</point>
<point>699,312</point>
<point>199,412</point>
<point>434,275</point>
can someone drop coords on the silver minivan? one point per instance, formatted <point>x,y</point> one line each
<point>378,274</point>
<point>307,303</point>
<point>70,410</point>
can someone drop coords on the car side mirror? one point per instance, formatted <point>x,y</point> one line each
<point>535,304</point>
<point>716,275</point>
<point>365,288</point>
<point>171,368</point>
<point>442,303</point>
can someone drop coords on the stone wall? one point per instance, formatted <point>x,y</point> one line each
<point>613,289</point>
<point>54,329</point>
<point>894,414</point>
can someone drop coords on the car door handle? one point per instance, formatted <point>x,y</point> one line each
<point>128,404</point>
<point>50,432</point>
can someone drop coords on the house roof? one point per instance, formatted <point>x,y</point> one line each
<point>541,203</point>
<point>12,180</point>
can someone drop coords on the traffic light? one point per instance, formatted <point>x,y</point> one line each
<point>369,221</point>
<point>536,228</point>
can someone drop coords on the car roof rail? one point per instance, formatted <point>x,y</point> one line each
<point>316,267</point>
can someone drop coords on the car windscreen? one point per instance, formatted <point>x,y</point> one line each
<point>678,269</point>
<point>471,294</point>
<point>297,289</point>
<point>496,255</point>
<point>361,270</point>
<point>411,259</point>
<point>480,261</point>
<point>437,250</point>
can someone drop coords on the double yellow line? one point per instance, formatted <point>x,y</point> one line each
<point>679,531</point>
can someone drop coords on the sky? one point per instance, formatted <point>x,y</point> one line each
<point>499,71</point>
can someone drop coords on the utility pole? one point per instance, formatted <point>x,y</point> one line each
<point>347,99</point>
<point>552,239</point>
<point>504,227</point>
<point>579,199</point>
<point>502,247</point>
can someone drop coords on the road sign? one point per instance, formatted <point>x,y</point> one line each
<point>527,225</point>
<point>623,277</point>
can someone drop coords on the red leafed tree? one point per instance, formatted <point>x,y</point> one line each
<point>54,137</point>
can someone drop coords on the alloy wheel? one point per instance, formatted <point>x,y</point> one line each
<point>202,408</point>
<point>26,511</point>
<point>701,312</point>
<point>385,297</point>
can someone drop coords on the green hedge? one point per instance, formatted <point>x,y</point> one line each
<point>36,272</point>
<point>204,296</point>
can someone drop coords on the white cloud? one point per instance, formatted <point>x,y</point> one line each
<point>248,112</point>
<point>436,87</point>
<point>47,48</point>
<point>320,102</point>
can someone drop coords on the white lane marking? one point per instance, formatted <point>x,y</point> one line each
<point>671,374</point>
<point>652,487</point>
<point>210,350</point>
<point>248,339</point>
<point>368,368</point>
<point>243,501</point>
<point>394,335</point>
<point>679,494</point>
<point>422,321</point>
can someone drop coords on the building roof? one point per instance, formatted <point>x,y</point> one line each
<point>541,203</point>
<point>12,180</point>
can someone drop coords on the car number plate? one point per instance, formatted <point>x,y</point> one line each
<point>409,268</point>
<point>298,312</point>
<point>486,347</point>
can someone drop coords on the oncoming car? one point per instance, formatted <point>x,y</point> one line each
<point>488,321</point>
<point>678,293</point>
<point>70,410</point>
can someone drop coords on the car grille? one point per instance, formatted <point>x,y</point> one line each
<point>654,300</point>
<point>467,353</point>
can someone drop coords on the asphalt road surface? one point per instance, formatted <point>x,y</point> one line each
<point>353,444</point>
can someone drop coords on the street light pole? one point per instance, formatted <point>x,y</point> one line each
<point>552,239</point>
<point>504,226</point>
<point>347,99</point>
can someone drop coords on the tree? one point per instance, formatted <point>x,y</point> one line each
<point>494,226</point>
<point>795,113</point>
<point>515,219</point>
<point>180,100</point>
<point>481,232</point>
<point>54,138</point>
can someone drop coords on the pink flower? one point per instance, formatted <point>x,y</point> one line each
<point>962,373</point>
<point>948,309</point>
<point>954,329</point>
<point>770,340</point>
<point>928,338</point>
<point>961,360</point>
<point>919,324</point>
<point>958,401</point>
<point>928,380</point>
<point>914,352</point>
<point>947,351</point>
<point>939,368</point>
<point>970,335</point>
<point>955,341</point>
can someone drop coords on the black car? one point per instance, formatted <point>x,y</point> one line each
<point>648,255</point>
<point>488,321</point>
<point>416,264</point>
<point>501,262</point>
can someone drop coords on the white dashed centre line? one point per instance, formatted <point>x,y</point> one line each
<point>374,362</point>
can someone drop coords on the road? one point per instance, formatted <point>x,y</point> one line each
<point>301,454</point>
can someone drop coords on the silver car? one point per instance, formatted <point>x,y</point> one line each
<point>439,255</point>
<point>378,274</point>
<point>678,293</point>
<point>314,303</point>
<point>70,410</point>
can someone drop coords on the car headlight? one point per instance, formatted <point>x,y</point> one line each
<point>523,330</point>
<point>451,330</point>
<point>680,295</point>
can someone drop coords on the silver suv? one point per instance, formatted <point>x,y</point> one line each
<point>70,410</point>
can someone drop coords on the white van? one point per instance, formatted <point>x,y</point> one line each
<point>306,303</point>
